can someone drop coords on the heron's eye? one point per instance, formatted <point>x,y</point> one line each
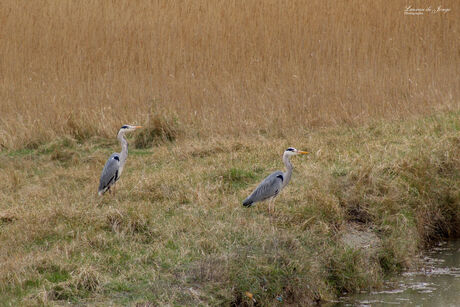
<point>290,149</point>
<point>124,127</point>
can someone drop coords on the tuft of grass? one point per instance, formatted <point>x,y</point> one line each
<point>158,129</point>
<point>130,223</point>
<point>87,279</point>
<point>348,270</point>
<point>79,127</point>
<point>75,286</point>
<point>236,178</point>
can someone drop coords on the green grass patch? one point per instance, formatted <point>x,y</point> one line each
<point>237,178</point>
<point>20,152</point>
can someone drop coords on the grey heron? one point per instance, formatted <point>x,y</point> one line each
<point>114,165</point>
<point>269,188</point>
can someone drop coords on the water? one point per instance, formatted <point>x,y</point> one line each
<point>436,283</point>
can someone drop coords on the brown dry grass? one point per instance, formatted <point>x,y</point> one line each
<point>222,67</point>
<point>175,232</point>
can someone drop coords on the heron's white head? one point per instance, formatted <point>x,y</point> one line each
<point>128,128</point>
<point>291,151</point>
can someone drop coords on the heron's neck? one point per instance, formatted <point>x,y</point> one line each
<point>288,172</point>
<point>124,148</point>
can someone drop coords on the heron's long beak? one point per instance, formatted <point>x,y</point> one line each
<point>302,152</point>
<point>137,127</point>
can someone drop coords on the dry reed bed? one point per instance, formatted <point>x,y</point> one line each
<point>176,234</point>
<point>220,67</point>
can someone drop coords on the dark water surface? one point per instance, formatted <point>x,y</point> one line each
<point>436,283</point>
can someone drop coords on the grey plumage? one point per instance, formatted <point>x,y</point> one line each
<point>270,187</point>
<point>109,174</point>
<point>114,165</point>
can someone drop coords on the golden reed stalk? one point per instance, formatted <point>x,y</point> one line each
<point>222,67</point>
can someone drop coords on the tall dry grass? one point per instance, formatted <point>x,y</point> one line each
<point>222,67</point>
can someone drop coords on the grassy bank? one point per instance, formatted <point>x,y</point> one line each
<point>360,206</point>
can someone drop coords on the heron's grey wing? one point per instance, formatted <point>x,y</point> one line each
<point>109,173</point>
<point>269,187</point>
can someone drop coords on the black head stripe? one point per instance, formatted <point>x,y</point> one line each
<point>290,149</point>
<point>124,127</point>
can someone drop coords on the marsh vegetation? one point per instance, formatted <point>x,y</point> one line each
<point>222,88</point>
<point>175,231</point>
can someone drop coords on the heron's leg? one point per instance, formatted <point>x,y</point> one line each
<point>270,205</point>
